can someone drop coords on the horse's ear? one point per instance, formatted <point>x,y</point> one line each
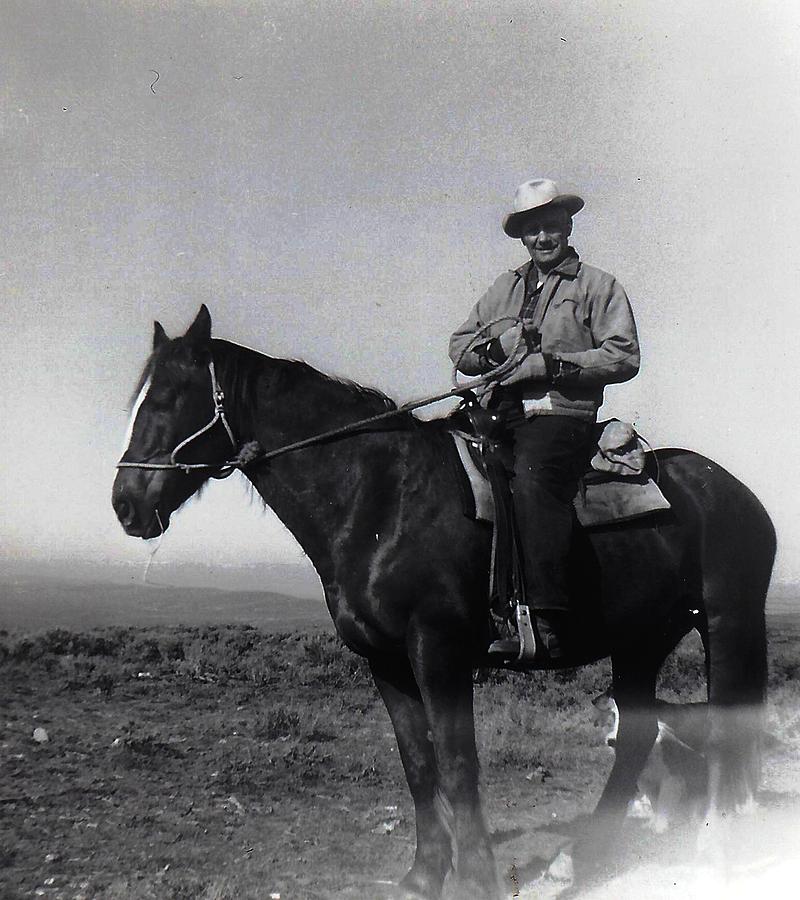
<point>199,332</point>
<point>159,335</point>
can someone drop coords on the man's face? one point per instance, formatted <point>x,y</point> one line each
<point>546,237</point>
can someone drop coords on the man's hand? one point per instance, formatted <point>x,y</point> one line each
<point>511,339</point>
<point>561,372</point>
<point>496,351</point>
<point>530,368</point>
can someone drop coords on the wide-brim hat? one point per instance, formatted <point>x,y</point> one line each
<point>536,194</point>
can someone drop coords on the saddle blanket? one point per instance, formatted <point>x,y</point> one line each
<point>601,500</point>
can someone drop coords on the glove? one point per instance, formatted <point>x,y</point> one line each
<point>509,339</point>
<point>531,368</point>
<point>496,351</point>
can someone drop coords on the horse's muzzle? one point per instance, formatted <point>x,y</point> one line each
<point>134,522</point>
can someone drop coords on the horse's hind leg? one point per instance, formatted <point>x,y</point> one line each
<point>738,553</point>
<point>634,681</point>
<point>635,671</point>
<point>737,680</point>
<point>434,854</point>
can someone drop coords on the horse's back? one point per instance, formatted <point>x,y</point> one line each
<point>713,549</point>
<point>705,495</point>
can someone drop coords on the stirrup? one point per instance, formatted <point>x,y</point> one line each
<point>527,636</point>
<point>520,649</point>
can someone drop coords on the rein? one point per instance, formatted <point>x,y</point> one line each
<point>246,458</point>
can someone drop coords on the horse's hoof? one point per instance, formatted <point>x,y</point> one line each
<point>472,890</point>
<point>402,893</point>
<point>413,887</point>
<point>557,877</point>
<point>561,869</point>
<point>392,890</point>
<point>557,880</point>
<point>589,863</point>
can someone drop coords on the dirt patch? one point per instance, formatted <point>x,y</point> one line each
<point>220,763</point>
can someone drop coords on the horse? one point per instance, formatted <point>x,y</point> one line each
<point>404,573</point>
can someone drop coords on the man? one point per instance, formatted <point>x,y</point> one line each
<point>561,330</point>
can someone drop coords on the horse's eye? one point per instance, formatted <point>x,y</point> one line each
<point>162,399</point>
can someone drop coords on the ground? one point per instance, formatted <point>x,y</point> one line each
<point>225,762</point>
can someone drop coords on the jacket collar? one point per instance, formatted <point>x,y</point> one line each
<point>568,267</point>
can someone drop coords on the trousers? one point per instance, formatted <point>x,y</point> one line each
<point>551,453</point>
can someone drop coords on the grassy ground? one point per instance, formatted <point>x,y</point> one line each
<point>223,762</point>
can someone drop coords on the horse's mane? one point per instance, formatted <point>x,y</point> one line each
<point>241,368</point>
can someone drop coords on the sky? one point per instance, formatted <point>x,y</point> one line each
<point>329,178</point>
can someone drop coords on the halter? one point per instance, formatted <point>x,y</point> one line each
<point>260,455</point>
<point>227,467</point>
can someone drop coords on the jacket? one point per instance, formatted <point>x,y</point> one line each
<point>583,323</point>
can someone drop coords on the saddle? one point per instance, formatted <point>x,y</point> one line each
<point>616,488</point>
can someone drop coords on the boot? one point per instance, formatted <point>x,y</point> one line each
<point>550,625</point>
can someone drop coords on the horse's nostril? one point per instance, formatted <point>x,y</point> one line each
<point>125,511</point>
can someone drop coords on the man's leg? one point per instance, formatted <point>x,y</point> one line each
<point>550,455</point>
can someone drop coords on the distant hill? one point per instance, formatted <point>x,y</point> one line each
<point>42,604</point>
<point>33,602</point>
<point>784,598</point>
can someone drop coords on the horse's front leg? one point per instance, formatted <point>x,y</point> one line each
<point>443,670</point>
<point>434,854</point>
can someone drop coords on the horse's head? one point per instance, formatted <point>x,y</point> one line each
<point>178,434</point>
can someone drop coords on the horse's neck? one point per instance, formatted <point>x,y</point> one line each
<point>279,401</point>
<point>313,490</point>
<point>325,493</point>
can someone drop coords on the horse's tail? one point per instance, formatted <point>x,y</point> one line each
<point>737,565</point>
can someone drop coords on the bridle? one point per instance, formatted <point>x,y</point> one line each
<point>253,453</point>
<point>226,467</point>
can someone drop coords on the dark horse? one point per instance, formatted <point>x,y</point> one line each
<point>405,577</point>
